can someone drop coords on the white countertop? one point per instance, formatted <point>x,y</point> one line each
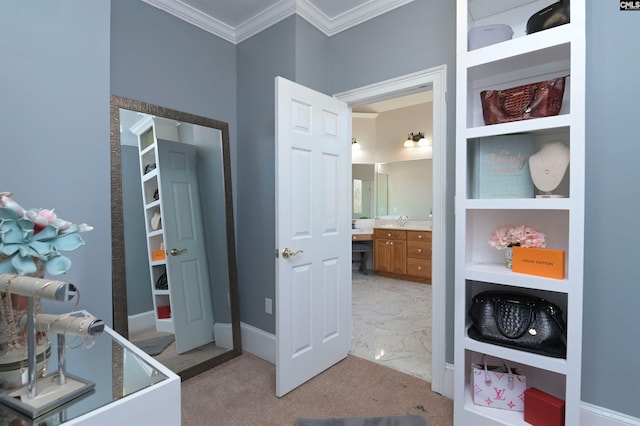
<point>366,226</point>
<point>362,231</point>
<point>407,227</point>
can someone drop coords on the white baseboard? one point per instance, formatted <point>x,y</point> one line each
<point>142,321</point>
<point>592,415</point>
<point>448,381</point>
<point>258,342</point>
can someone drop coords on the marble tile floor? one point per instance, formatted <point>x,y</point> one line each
<point>392,323</point>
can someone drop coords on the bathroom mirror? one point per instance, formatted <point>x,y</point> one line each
<point>407,188</point>
<point>161,301</point>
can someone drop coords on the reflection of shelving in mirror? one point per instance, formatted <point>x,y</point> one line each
<point>147,139</point>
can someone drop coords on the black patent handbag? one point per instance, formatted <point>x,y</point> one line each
<point>551,16</point>
<point>519,321</point>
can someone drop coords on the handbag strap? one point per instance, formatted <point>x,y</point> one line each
<point>487,378</point>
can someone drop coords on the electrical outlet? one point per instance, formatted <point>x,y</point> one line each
<point>268,305</point>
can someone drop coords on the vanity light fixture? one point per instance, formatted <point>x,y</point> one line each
<point>415,139</point>
<point>355,144</point>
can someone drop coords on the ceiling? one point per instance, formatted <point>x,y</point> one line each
<point>237,20</point>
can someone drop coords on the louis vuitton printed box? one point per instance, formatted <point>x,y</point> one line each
<point>499,166</point>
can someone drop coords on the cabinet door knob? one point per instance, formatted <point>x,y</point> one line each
<point>388,235</point>
<point>420,236</point>
<point>419,268</point>
<point>419,250</point>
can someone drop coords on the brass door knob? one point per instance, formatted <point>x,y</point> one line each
<point>287,253</point>
<point>176,252</point>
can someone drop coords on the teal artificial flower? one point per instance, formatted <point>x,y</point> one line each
<point>26,235</point>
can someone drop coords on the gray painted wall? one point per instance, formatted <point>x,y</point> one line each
<point>70,41</point>
<point>260,59</point>
<point>312,56</point>
<point>611,327</point>
<point>54,116</point>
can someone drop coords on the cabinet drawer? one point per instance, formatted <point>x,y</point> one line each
<point>362,237</point>
<point>419,236</point>
<point>418,250</point>
<point>419,268</point>
<point>390,234</point>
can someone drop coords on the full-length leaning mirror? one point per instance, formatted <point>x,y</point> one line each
<point>175,289</point>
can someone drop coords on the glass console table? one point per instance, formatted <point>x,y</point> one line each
<point>130,387</point>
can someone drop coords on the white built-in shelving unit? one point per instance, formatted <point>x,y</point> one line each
<point>555,52</point>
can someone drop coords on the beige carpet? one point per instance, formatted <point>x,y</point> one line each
<point>241,392</point>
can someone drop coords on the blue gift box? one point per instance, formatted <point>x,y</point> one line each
<point>499,166</point>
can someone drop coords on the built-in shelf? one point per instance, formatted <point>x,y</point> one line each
<point>552,53</point>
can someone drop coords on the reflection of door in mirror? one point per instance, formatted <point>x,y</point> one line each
<point>187,216</point>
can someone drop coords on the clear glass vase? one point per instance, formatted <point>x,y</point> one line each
<point>508,257</point>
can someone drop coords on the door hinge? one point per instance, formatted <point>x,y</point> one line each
<point>277,253</point>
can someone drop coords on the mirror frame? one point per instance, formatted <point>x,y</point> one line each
<point>118,266</point>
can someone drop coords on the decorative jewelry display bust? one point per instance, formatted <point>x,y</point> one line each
<point>548,166</point>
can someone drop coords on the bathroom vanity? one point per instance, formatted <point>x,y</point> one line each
<point>402,252</point>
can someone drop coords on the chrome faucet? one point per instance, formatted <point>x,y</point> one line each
<point>402,220</point>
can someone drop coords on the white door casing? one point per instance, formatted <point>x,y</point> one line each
<point>313,219</point>
<point>435,78</point>
<point>187,270</point>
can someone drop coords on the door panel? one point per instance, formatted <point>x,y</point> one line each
<point>313,220</point>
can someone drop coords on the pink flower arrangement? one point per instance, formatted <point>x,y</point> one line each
<point>516,235</point>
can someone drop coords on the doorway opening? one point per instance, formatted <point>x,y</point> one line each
<point>433,79</point>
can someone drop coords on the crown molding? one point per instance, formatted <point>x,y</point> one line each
<point>276,13</point>
<point>351,18</point>
<point>265,19</point>
<point>196,18</point>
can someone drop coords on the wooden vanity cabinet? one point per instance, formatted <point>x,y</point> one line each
<point>404,255</point>
<point>390,251</point>
<point>419,254</point>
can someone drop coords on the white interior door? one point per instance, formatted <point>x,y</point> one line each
<point>313,221</point>
<point>187,270</point>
